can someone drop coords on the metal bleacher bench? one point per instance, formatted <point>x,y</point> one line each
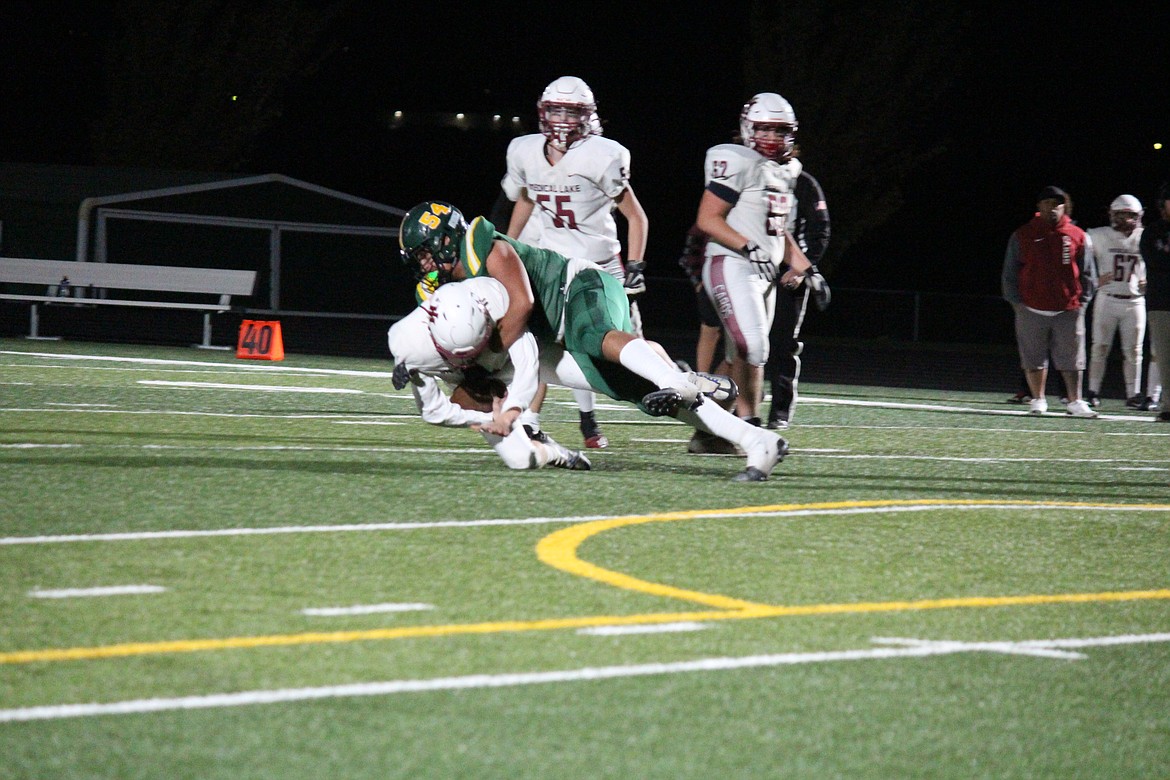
<point>85,283</point>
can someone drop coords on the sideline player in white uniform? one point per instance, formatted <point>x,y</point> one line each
<point>568,179</point>
<point>452,338</point>
<point>1120,307</point>
<point>745,210</point>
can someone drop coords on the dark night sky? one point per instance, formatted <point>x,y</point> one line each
<point>1052,95</point>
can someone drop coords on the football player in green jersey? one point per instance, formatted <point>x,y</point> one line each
<point>571,302</point>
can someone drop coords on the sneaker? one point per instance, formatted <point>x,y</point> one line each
<point>1080,409</point>
<point>777,423</point>
<point>1143,403</point>
<point>1093,399</point>
<point>662,403</point>
<point>703,443</point>
<point>1037,406</point>
<point>564,458</point>
<point>768,450</point>
<point>1022,397</point>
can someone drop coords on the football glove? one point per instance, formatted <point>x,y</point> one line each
<point>761,261</point>
<point>819,287</point>
<point>400,376</point>
<point>635,278</point>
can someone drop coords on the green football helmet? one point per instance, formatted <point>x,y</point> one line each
<point>434,228</point>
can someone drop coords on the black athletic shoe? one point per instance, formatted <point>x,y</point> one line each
<point>1093,399</point>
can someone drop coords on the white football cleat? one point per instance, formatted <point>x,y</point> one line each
<point>764,453</point>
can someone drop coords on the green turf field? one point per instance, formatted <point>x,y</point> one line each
<point>215,568</point>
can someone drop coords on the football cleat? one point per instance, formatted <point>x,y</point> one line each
<point>720,389</point>
<point>662,403</point>
<point>597,441</point>
<point>564,458</point>
<point>1094,399</point>
<point>591,432</point>
<point>768,450</point>
<point>703,443</point>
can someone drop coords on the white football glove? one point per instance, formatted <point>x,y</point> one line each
<point>761,261</point>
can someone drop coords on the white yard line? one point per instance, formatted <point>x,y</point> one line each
<point>916,649</point>
<point>201,363</point>
<point>364,609</point>
<point>652,628</point>
<point>107,590</point>
<point>258,388</point>
<point>131,536</point>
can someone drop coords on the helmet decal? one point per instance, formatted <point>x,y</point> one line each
<point>430,239</point>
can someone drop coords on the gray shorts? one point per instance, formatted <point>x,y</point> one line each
<point>1060,335</point>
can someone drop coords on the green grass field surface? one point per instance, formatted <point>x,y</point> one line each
<point>219,568</point>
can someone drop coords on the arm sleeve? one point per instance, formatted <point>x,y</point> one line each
<point>812,218</point>
<point>525,358</point>
<point>437,409</point>
<point>1010,277</point>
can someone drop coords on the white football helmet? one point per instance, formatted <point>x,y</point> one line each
<point>567,112</point>
<point>460,325</point>
<point>768,111</point>
<point>1125,213</point>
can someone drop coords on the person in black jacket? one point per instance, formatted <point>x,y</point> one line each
<point>811,231</point>
<point>1155,249</point>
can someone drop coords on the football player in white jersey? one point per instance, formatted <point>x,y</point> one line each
<point>569,179</point>
<point>452,338</point>
<point>1120,306</point>
<point>746,210</point>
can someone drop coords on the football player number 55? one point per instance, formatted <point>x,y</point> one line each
<point>562,215</point>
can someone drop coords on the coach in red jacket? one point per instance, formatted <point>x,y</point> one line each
<point>1048,281</point>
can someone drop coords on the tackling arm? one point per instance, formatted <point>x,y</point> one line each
<point>503,265</point>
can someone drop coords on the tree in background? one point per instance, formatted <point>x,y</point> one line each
<point>192,85</point>
<point>865,81</point>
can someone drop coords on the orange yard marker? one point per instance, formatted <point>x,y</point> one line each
<point>260,340</point>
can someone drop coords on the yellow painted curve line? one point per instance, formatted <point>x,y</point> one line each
<point>559,550</point>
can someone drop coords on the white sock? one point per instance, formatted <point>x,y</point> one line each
<point>640,357</point>
<point>713,418</point>
<point>584,400</point>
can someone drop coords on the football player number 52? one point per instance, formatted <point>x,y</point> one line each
<point>562,215</point>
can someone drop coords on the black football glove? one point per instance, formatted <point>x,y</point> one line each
<point>400,377</point>
<point>821,293</point>
<point>635,278</point>
<point>761,261</point>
